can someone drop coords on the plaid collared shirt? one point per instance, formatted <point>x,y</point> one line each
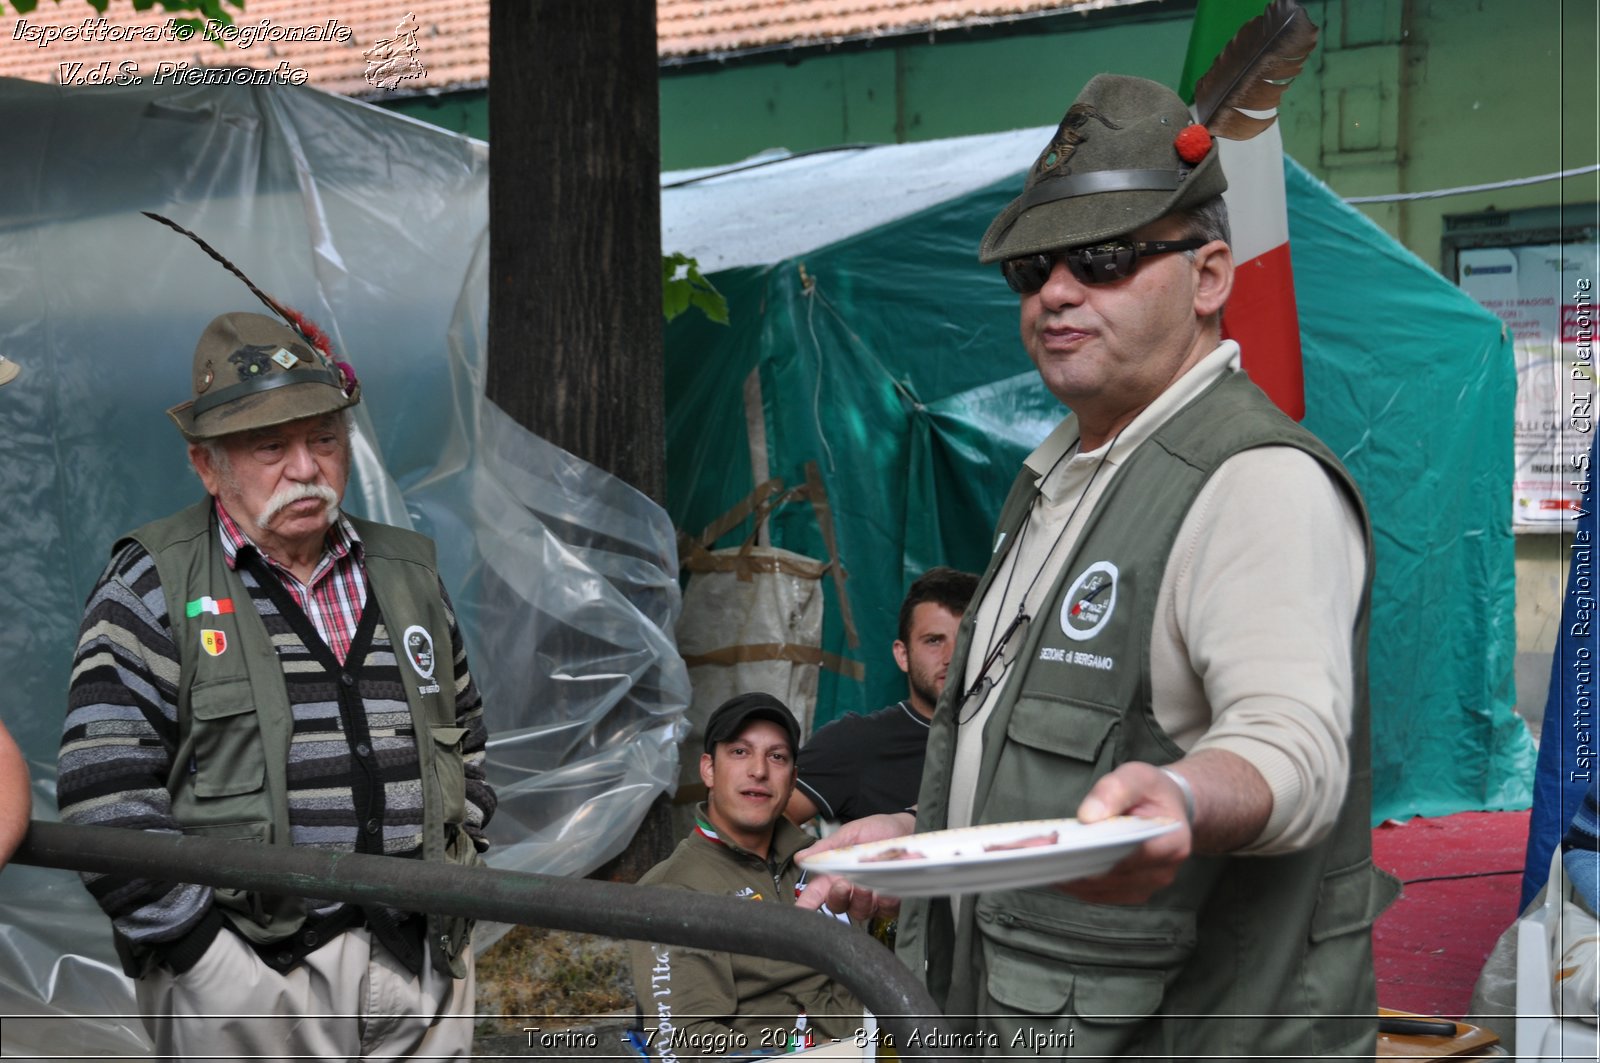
<point>337,591</point>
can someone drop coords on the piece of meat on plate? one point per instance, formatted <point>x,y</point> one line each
<point>1034,841</point>
<point>894,852</point>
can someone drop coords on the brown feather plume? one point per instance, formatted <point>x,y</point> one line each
<point>1252,71</point>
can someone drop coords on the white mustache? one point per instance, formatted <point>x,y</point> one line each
<point>290,495</point>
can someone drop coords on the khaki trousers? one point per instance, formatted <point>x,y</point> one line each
<point>350,1000</point>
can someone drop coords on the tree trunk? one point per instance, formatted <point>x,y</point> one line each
<point>575,224</point>
<point>575,250</point>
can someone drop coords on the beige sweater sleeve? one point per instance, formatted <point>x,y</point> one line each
<point>1251,647</point>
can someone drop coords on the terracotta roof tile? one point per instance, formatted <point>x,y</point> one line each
<point>451,36</point>
<point>699,27</point>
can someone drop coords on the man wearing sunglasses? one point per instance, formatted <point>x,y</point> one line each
<point>1172,625</point>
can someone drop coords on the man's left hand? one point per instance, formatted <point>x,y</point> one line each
<point>841,896</point>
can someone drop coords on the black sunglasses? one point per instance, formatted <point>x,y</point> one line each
<point>1094,264</point>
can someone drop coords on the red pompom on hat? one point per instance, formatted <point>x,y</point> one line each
<point>1193,143</point>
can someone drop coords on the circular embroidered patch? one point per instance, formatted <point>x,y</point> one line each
<point>419,650</point>
<point>1089,603</point>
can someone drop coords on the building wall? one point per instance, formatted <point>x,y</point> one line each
<point>1419,95</point>
<point>460,112</point>
<point>907,89</point>
<point>1400,96</point>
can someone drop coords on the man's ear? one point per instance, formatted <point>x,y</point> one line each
<point>1213,265</point>
<point>707,773</point>
<point>901,656</point>
<point>205,468</point>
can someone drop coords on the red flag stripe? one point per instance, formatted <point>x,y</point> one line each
<point>1261,316</point>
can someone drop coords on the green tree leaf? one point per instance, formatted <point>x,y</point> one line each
<point>683,286</point>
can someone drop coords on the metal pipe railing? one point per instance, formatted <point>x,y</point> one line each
<point>673,917</point>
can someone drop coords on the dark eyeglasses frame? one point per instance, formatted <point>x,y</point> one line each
<point>1091,264</point>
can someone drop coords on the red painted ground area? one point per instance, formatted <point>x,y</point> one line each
<point>1430,946</point>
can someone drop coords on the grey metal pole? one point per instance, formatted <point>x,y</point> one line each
<point>674,917</point>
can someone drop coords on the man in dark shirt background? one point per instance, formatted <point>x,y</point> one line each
<point>860,765</point>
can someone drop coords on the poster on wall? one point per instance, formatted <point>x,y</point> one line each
<point>1545,295</point>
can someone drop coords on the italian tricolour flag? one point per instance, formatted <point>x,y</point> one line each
<point>1261,312</point>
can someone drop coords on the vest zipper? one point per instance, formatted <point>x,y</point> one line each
<point>1078,930</point>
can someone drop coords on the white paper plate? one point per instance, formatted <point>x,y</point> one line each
<point>957,861</point>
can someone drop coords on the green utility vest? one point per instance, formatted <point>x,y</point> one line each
<point>1253,957</point>
<point>229,774</point>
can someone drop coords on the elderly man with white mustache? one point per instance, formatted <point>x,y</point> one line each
<point>261,667</point>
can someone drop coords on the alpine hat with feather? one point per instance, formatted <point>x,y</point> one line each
<point>1112,167</point>
<point>1130,151</point>
<point>252,371</point>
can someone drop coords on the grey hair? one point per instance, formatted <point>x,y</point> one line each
<point>1208,221</point>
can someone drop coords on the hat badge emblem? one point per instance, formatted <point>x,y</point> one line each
<point>1068,136</point>
<point>252,360</point>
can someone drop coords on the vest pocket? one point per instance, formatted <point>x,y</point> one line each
<point>1054,751</point>
<point>1056,966</point>
<point>1065,729</point>
<point>1017,981</point>
<point>226,739</point>
<point>450,771</point>
<point>1351,899</point>
<point>449,936</point>
<point>231,832</point>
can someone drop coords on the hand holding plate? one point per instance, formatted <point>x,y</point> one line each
<point>1136,789</point>
<point>840,895</point>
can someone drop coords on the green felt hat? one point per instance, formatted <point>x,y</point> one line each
<point>252,371</point>
<point>1112,167</point>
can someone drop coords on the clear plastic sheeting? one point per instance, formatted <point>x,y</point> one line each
<point>574,775</point>
<point>375,226</point>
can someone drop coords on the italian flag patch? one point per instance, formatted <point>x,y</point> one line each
<point>208,604</point>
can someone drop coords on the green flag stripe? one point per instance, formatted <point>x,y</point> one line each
<point>1215,23</point>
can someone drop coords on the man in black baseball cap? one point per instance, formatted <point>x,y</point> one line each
<point>728,719</point>
<point>719,1003</point>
